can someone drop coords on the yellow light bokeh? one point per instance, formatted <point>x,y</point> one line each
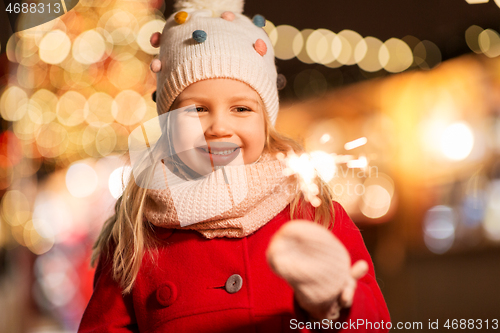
<point>129,107</point>
<point>70,108</point>
<point>489,43</point>
<point>144,35</point>
<point>15,208</point>
<point>11,103</point>
<point>343,46</point>
<point>395,56</point>
<point>472,38</point>
<point>98,109</point>
<point>287,47</point>
<point>366,54</point>
<point>89,47</point>
<point>54,47</point>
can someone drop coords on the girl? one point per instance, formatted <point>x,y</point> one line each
<point>201,240</point>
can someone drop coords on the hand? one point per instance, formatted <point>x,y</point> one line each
<point>317,266</point>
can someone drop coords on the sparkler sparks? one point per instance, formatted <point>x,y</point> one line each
<point>308,166</point>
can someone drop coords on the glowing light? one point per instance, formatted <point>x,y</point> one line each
<point>145,33</point>
<point>287,45</point>
<point>356,143</point>
<point>375,201</point>
<point>128,107</point>
<point>45,105</point>
<point>324,164</point>
<point>376,196</point>
<point>271,31</point>
<point>439,229</point>
<point>11,103</point>
<point>52,140</point>
<point>473,2</point>
<point>105,140</point>
<point>34,241</point>
<point>118,180</point>
<point>70,108</point>
<point>122,27</point>
<point>302,55</point>
<point>343,46</point>
<point>98,109</point>
<point>319,46</point>
<point>489,43</point>
<point>427,55</point>
<point>457,141</point>
<point>324,138</point>
<point>127,73</point>
<point>81,180</point>
<point>472,38</point>
<point>491,222</point>
<point>89,47</point>
<point>54,47</point>
<point>395,55</point>
<point>15,208</point>
<point>305,171</point>
<point>361,162</point>
<point>319,132</point>
<point>367,53</point>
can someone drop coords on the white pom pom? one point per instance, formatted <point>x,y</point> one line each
<point>218,6</point>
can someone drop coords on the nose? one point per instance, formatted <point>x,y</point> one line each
<point>218,126</point>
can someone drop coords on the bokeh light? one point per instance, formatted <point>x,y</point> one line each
<point>118,180</point>
<point>81,180</point>
<point>289,42</point>
<point>489,43</point>
<point>395,55</point>
<point>54,47</point>
<point>439,228</point>
<point>457,141</point>
<point>89,47</point>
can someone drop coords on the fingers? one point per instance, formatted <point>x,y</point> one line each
<point>348,294</point>
<point>359,269</point>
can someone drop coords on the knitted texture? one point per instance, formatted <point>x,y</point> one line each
<point>315,263</point>
<point>256,194</point>
<point>228,51</point>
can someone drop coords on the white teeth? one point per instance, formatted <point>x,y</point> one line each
<point>220,152</point>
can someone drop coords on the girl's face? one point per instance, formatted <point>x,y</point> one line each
<point>232,120</point>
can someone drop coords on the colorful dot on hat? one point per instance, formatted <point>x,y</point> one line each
<point>155,65</point>
<point>260,46</point>
<point>259,21</point>
<point>155,39</point>
<point>181,17</point>
<point>200,36</point>
<point>228,16</point>
<point>280,81</point>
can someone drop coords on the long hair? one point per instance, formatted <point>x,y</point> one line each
<point>128,235</point>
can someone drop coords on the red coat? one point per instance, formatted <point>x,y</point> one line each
<point>184,291</point>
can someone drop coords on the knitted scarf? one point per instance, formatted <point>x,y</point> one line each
<point>234,204</point>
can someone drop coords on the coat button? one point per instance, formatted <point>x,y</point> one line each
<point>166,294</point>
<point>234,283</point>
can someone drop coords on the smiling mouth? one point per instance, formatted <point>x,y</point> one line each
<point>218,151</point>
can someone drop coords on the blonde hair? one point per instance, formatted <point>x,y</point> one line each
<point>128,234</point>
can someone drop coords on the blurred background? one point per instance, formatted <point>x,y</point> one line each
<point>410,88</point>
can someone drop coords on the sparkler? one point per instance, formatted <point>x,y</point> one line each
<point>308,166</point>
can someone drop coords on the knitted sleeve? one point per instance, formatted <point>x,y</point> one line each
<point>369,310</point>
<point>108,310</point>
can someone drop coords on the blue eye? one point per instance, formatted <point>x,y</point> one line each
<point>242,109</point>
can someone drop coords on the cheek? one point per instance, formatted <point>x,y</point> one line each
<point>254,138</point>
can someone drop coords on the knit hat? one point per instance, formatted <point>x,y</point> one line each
<point>207,39</point>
